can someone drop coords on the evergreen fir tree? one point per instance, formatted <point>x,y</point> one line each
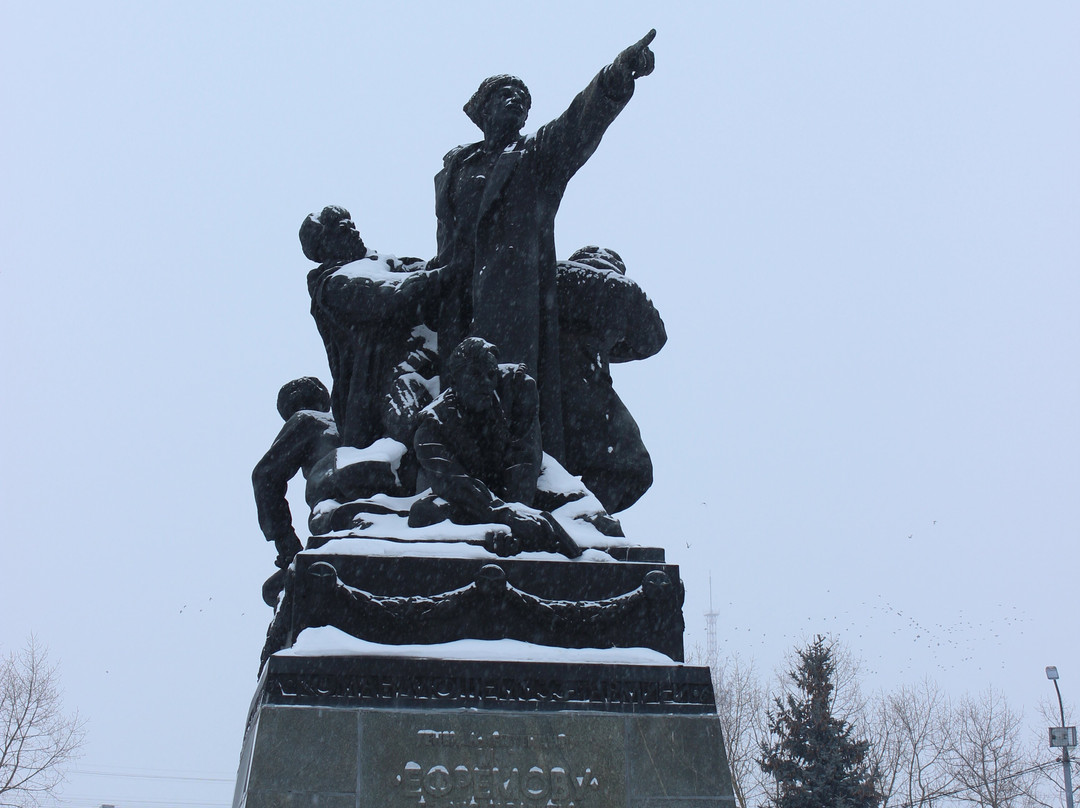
<point>813,759</point>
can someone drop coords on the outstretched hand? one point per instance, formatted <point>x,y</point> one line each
<point>638,60</point>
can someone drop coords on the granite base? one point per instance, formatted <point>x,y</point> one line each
<point>362,732</point>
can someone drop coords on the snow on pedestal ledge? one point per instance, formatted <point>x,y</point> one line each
<point>389,518</point>
<point>329,641</point>
<point>358,544</point>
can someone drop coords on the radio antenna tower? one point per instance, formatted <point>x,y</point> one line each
<point>711,652</point>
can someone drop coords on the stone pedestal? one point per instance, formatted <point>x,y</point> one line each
<point>397,732</point>
<point>431,596</point>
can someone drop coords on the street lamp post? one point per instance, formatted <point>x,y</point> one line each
<point>1063,737</point>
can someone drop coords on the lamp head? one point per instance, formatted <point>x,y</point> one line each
<point>1051,672</point>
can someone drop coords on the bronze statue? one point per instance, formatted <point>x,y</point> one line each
<point>368,309</point>
<point>478,445</point>
<point>309,435</point>
<point>604,317</point>
<point>475,388</point>
<point>400,332</point>
<point>496,202</point>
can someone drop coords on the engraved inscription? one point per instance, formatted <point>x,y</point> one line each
<point>286,687</point>
<point>477,759</point>
<point>464,786</point>
<point>493,769</point>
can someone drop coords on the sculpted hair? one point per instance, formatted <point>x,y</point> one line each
<point>470,350</point>
<point>475,105</point>
<point>600,258</point>
<point>313,232</point>
<point>305,393</point>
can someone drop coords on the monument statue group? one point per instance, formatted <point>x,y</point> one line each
<point>467,625</point>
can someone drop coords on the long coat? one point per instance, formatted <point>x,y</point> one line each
<point>497,244</point>
<point>365,311</point>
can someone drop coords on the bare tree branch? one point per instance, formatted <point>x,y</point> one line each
<point>1049,780</point>
<point>908,732</point>
<point>38,736</point>
<point>740,703</point>
<point>985,753</point>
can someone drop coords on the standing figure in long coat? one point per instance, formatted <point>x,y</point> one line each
<point>496,202</point>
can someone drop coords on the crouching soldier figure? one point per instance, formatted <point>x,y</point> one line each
<point>478,446</point>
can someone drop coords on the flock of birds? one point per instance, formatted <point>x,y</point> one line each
<point>892,641</point>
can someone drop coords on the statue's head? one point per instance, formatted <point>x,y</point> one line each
<point>331,236</point>
<point>600,258</point>
<point>500,105</point>
<point>473,371</point>
<point>306,393</point>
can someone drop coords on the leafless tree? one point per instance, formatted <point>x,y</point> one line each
<point>740,702</point>
<point>986,753</point>
<point>909,735</point>
<point>849,703</point>
<point>36,736</point>
<point>1049,780</point>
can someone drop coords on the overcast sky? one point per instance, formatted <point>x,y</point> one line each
<point>860,222</point>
